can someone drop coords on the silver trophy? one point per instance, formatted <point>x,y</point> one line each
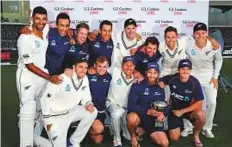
<point>160,106</point>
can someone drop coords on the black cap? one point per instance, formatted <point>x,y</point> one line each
<point>128,58</point>
<point>185,63</point>
<point>130,21</point>
<point>200,26</point>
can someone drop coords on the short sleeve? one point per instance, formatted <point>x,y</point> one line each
<point>198,93</point>
<point>25,49</point>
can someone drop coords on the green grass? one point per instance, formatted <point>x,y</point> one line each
<point>10,106</point>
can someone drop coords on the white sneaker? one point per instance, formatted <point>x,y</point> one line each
<point>186,132</point>
<point>117,143</point>
<point>208,133</point>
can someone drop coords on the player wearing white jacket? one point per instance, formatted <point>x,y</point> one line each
<point>207,63</point>
<point>122,80</point>
<point>125,42</point>
<point>67,103</point>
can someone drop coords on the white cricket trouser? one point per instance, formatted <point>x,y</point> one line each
<point>118,121</point>
<point>210,95</point>
<point>61,124</point>
<point>30,88</point>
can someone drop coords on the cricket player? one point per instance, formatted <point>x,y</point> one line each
<point>122,80</point>
<point>80,48</point>
<point>150,54</point>
<point>125,42</point>
<point>103,44</point>
<point>99,83</point>
<point>207,63</point>
<point>66,103</point>
<point>140,112</point>
<point>185,102</point>
<point>31,76</point>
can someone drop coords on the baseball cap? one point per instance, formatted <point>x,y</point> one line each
<point>185,63</point>
<point>200,26</point>
<point>130,21</point>
<point>153,65</point>
<point>128,58</point>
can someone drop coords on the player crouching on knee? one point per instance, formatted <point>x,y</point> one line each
<point>140,112</point>
<point>99,82</point>
<point>67,103</point>
<point>186,101</point>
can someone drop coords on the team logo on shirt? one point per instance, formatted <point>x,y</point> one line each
<point>97,44</point>
<point>26,56</point>
<point>174,86</point>
<point>109,46</point>
<point>157,93</point>
<point>146,92</point>
<point>72,49</point>
<point>105,80</point>
<point>94,79</point>
<point>68,87</point>
<point>81,52</point>
<point>65,43</point>
<point>37,44</point>
<point>83,88</point>
<point>119,82</point>
<point>193,52</point>
<point>145,60</point>
<point>207,53</point>
<point>118,45</point>
<point>186,99</point>
<point>53,42</point>
<point>188,91</point>
<point>180,52</point>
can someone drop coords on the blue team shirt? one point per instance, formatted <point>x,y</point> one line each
<point>100,48</point>
<point>56,51</point>
<point>183,94</point>
<point>99,86</point>
<point>76,51</point>
<point>143,59</point>
<point>141,95</point>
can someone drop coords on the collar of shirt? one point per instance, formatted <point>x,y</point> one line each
<point>176,47</point>
<point>77,81</point>
<point>124,75</point>
<point>128,42</point>
<point>206,48</point>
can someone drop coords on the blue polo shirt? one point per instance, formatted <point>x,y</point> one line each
<point>99,86</point>
<point>141,95</point>
<point>142,59</point>
<point>100,48</point>
<point>183,94</point>
<point>57,48</point>
<point>76,51</point>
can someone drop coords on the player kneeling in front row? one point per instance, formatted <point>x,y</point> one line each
<point>99,83</point>
<point>186,102</point>
<point>67,103</point>
<point>140,112</point>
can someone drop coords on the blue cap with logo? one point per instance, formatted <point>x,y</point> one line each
<point>153,65</point>
<point>128,58</point>
<point>185,63</point>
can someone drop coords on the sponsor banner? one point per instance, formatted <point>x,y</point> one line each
<point>152,16</point>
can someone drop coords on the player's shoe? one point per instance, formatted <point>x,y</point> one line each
<point>117,143</point>
<point>208,133</point>
<point>186,132</point>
